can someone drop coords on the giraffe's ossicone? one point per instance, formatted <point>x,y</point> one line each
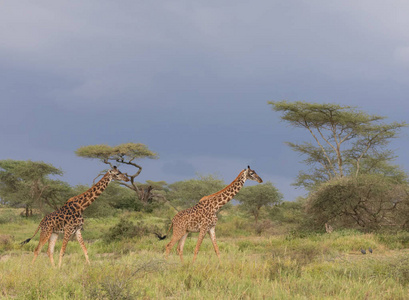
<point>202,217</point>
<point>68,219</point>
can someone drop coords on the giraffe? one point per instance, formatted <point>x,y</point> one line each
<point>328,228</point>
<point>68,219</point>
<point>202,217</point>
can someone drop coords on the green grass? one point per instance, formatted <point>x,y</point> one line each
<point>285,266</point>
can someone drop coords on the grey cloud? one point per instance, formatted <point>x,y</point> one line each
<point>192,79</point>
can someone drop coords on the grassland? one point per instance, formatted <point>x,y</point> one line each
<point>284,265</point>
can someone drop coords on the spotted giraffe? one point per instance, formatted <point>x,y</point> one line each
<point>202,217</point>
<point>68,219</point>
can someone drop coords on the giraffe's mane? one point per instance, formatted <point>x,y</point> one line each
<point>221,191</point>
<point>75,198</point>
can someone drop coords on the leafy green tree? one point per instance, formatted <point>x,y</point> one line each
<point>56,194</point>
<point>289,212</point>
<point>188,192</point>
<point>125,154</point>
<point>253,198</point>
<point>345,139</point>
<point>27,184</point>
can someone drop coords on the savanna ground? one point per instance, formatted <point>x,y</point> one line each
<point>279,263</point>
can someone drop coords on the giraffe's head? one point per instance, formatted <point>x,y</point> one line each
<point>117,175</point>
<point>252,175</point>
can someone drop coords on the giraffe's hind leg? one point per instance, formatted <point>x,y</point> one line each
<point>177,235</point>
<point>81,241</point>
<point>44,236</point>
<point>181,245</point>
<point>212,234</point>
<point>51,245</point>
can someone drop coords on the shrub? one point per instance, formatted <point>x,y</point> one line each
<point>119,281</point>
<point>301,251</point>
<point>7,216</point>
<point>368,202</point>
<point>127,229</point>
<point>263,226</point>
<point>99,209</point>
<point>399,240</point>
<point>6,242</point>
<point>234,226</point>
<point>288,212</point>
<point>284,268</point>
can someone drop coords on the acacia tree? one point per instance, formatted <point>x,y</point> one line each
<point>27,183</point>
<point>344,139</point>
<point>253,198</point>
<point>125,154</point>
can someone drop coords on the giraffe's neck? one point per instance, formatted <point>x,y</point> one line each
<point>85,199</point>
<point>217,200</point>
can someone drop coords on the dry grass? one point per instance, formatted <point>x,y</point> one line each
<point>315,266</point>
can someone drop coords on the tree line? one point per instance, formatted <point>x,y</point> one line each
<point>351,179</point>
<point>28,185</point>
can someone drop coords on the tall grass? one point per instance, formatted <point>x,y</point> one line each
<point>286,266</point>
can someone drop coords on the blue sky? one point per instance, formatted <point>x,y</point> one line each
<point>192,80</point>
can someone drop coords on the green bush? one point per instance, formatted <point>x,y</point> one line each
<point>119,282</point>
<point>230,227</point>
<point>126,229</point>
<point>99,209</point>
<point>399,240</point>
<point>280,268</point>
<point>6,242</point>
<point>301,251</point>
<point>263,226</point>
<point>368,202</point>
<point>7,216</point>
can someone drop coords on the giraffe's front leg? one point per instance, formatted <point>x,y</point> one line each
<point>199,242</point>
<point>67,235</point>
<point>212,233</point>
<point>81,241</point>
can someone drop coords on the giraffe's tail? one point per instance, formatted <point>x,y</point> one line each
<point>29,239</point>
<point>160,237</point>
